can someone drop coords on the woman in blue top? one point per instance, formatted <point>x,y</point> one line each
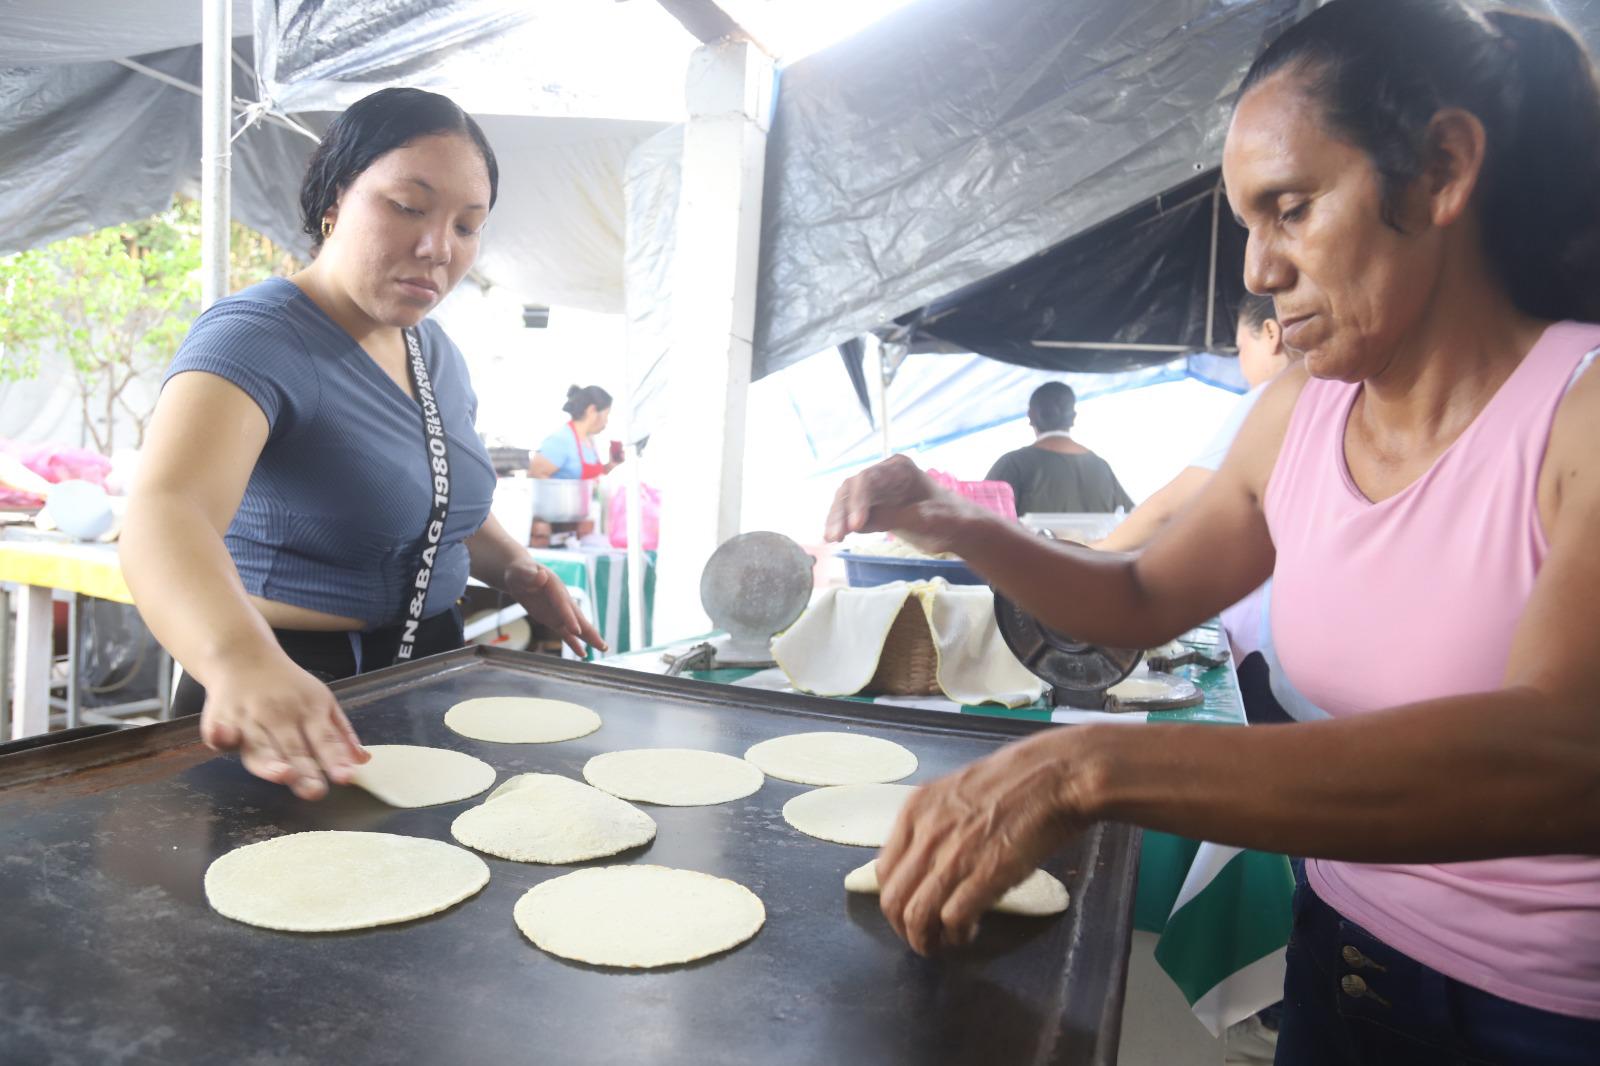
<point>570,452</point>
<point>312,495</point>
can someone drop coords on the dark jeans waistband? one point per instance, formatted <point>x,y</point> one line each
<point>330,655</point>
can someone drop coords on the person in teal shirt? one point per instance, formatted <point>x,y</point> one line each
<point>570,452</point>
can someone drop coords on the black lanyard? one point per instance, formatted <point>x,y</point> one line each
<point>439,473</point>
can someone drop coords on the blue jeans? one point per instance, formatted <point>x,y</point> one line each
<point>1349,999</point>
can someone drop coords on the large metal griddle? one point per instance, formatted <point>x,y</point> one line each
<point>108,951</point>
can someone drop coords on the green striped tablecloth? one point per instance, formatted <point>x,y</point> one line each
<point>1222,914</point>
<point>602,575</point>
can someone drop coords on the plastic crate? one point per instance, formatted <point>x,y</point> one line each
<point>864,570</point>
<point>996,496</point>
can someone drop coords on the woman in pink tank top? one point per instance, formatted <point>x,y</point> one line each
<point>1421,186</point>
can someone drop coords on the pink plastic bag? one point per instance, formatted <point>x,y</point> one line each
<point>996,496</point>
<point>54,464</point>
<point>66,464</point>
<point>650,518</point>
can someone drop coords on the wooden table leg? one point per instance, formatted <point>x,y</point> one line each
<point>35,633</point>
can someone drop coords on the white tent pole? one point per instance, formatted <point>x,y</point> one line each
<point>1211,276</point>
<point>698,449</point>
<point>633,481</point>
<point>216,110</point>
<point>882,394</point>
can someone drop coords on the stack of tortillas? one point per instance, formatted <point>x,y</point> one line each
<point>552,819</point>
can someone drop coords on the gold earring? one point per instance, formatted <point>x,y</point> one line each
<point>327,228</point>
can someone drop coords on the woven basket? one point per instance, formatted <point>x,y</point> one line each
<point>909,666</point>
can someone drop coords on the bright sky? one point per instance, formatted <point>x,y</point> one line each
<point>796,28</point>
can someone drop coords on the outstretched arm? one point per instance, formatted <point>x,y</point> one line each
<point>203,442</point>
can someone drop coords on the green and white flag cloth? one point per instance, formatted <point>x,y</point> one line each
<point>1224,936</point>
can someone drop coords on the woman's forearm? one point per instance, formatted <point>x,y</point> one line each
<point>1094,596</point>
<point>187,589</point>
<point>493,552</point>
<point>1512,772</point>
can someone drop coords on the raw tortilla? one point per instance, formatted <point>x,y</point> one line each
<point>1139,688</point>
<point>833,759</point>
<point>848,814</point>
<point>406,775</point>
<point>638,916</point>
<point>323,882</point>
<point>1037,895</point>
<point>673,777</point>
<point>546,818</point>
<point>521,720</point>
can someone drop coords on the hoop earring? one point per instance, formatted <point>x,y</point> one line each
<point>327,228</point>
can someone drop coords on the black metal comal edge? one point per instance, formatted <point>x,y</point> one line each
<point>1120,845</point>
<point>354,691</point>
<point>55,760</point>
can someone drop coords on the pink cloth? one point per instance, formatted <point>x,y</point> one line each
<point>996,496</point>
<point>1414,598</point>
<point>55,465</point>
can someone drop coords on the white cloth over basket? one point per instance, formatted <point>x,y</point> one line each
<point>833,650</point>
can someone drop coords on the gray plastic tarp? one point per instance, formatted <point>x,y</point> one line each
<point>564,96</point>
<point>569,59</point>
<point>85,31</point>
<point>959,137</point>
<point>86,145</point>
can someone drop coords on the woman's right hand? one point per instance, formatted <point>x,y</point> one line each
<point>287,725</point>
<point>896,496</point>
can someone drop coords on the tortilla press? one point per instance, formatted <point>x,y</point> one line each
<point>1082,675</point>
<point>754,586</point>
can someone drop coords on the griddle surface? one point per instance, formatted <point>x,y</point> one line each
<point>109,953</point>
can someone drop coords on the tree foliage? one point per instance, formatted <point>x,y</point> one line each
<point>114,305</point>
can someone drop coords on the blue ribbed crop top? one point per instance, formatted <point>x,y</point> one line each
<point>332,518</point>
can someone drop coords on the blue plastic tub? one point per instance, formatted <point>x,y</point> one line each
<point>865,570</point>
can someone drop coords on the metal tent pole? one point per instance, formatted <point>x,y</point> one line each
<point>216,109</point>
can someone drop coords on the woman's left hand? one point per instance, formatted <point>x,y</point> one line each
<point>963,840</point>
<point>545,599</point>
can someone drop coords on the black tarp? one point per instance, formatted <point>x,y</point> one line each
<point>1141,278</point>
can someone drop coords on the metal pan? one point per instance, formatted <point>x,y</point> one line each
<point>110,950</point>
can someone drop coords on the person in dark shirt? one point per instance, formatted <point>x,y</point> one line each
<point>1055,474</point>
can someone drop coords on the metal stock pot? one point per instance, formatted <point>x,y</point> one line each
<point>561,499</point>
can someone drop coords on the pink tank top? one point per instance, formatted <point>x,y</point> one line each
<point>1375,605</point>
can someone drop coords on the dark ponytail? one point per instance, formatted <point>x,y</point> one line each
<point>1381,69</point>
<point>580,400</point>
<point>1542,210</point>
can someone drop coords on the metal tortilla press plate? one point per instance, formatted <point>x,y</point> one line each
<point>755,586</point>
<point>1069,666</point>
